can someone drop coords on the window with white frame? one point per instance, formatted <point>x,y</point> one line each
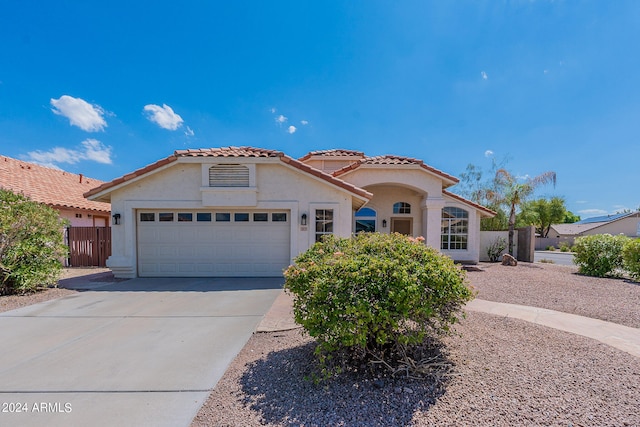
<point>324,223</point>
<point>365,220</point>
<point>401,208</point>
<point>455,229</point>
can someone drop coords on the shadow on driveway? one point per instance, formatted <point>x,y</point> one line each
<point>104,282</point>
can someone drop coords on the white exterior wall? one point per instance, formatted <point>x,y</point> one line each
<point>179,186</point>
<point>472,253</point>
<point>487,238</point>
<point>87,219</point>
<point>384,197</point>
<point>422,190</point>
<point>416,178</point>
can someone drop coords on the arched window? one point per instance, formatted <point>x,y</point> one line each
<point>228,176</point>
<point>365,220</point>
<point>455,229</point>
<point>401,208</point>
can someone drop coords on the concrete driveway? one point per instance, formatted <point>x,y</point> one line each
<point>144,352</point>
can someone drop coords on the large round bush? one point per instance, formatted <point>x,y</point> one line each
<point>374,291</point>
<point>31,244</point>
<point>599,255</point>
<point>631,258</point>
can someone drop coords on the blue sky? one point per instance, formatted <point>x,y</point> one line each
<point>103,88</point>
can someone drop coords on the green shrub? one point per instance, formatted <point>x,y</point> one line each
<point>631,258</point>
<point>599,255</point>
<point>551,248</point>
<point>564,247</point>
<point>31,244</point>
<point>495,249</point>
<point>374,294</point>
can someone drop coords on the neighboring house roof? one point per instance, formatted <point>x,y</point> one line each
<point>483,210</point>
<point>391,160</point>
<point>232,152</point>
<point>575,228</point>
<point>49,186</point>
<point>605,218</point>
<point>580,227</point>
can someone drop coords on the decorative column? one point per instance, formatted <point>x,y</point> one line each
<point>432,220</point>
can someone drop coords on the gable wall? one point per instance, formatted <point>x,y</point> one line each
<point>629,226</point>
<point>385,196</point>
<point>179,187</point>
<point>419,179</point>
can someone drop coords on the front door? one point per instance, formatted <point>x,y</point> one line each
<point>401,225</point>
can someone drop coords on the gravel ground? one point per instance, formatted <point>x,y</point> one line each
<point>560,288</point>
<point>504,371</point>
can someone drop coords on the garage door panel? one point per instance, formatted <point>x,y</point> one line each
<point>213,248</point>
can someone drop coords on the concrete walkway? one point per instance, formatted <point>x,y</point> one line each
<point>280,317</point>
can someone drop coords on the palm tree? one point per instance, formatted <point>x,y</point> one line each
<point>509,191</point>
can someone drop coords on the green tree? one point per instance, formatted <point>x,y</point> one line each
<point>31,244</point>
<point>475,186</point>
<point>570,218</point>
<point>511,193</point>
<point>542,213</point>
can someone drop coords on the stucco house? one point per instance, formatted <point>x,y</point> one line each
<point>63,191</point>
<point>623,223</point>
<point>243,211</point>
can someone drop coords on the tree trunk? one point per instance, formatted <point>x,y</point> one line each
<point>512,227</point>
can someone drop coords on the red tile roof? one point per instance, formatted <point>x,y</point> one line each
<point>393,161</point>
<point>233,152</point>
<point>50,186</point>
<point>228,152</point>
<point>487,211</point>
<point>337,152</point>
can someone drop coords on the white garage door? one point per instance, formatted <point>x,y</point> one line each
<point>213,243</point>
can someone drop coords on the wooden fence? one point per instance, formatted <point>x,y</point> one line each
<point>89,246</point>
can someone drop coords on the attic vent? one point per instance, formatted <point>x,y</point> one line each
<point>228,176</point>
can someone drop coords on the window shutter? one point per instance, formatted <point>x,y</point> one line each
<point>228,176</point>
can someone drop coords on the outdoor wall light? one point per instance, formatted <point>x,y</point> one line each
<point>384,223</point>
<point>303,219</point>
<point>116,219</point>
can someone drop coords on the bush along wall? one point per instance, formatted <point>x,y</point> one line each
<point>599,255</point>
<point>31,244</point>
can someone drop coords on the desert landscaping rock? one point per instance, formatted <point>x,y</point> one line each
<point>560,288</point>
<point>505,371</point>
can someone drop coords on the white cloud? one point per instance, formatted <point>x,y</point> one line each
<point>292,129</point>
<point>96,151</point>
<point>189,131</point>
<point>53,156</point>
<point>484,75</point>
<point>304,122</point>
<point>163,116</point>
<point>273,110</point>
<point>592,212</point>
<point>91,149</point>
<point>281,119</point>
<point>80,113</point>
<point>488,153</point>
